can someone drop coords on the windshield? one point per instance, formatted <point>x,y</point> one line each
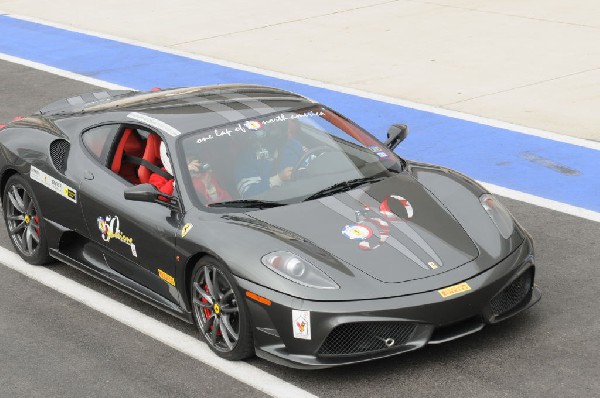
<point>283,158</point>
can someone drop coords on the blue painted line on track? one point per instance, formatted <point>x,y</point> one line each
<point>491,154</point>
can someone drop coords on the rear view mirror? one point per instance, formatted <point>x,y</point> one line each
<point>395,135</point>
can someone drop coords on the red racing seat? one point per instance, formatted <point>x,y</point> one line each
<point>152,155</point>
<point>129,144</point>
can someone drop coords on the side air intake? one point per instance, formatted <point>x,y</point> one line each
<point>59,151</point>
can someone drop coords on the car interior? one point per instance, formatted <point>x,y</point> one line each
<point>137,156</point>
<point>132,144</point>
<point>133,153</point>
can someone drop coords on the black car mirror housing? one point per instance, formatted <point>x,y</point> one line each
<point>395,135</point>
<point>149,193</point>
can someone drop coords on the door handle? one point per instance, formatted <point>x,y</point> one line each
<point>88,175</point>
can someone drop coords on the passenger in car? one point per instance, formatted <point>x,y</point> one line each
<point>164,184</point>
<point>206,184</point>
<point>203,179</point>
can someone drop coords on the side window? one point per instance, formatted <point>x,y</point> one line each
<point>99,140</point>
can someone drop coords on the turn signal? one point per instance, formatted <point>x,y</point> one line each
<point>258,298</point>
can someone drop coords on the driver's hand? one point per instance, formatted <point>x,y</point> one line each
<point>286,174</point>
<point>281,177</point>
<point>194,166</point>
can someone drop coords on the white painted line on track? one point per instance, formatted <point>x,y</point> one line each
<point>542,202</point>
<point>509,193</point>
<point>180,341</point>
<point>405,103</point>
<point>63,73</point>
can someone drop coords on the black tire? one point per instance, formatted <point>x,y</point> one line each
<point>219,325</point>
<point>24,221</point>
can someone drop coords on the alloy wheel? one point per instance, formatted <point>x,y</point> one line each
<point>22,220</point>
<point>216,309</point>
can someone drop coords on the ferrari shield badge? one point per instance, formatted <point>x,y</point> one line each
<point>301,324</point>
<point>186,228</point>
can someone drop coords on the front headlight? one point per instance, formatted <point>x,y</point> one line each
<point>499,214</point>
<point>298,270</point>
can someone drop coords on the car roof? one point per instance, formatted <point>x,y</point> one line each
<point>182,110</point>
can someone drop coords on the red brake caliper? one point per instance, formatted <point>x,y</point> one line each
<point>37,222</point>
<point>208,311</point>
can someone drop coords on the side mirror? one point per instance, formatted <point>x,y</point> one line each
<point>149,193</point>
<point>395,135</point>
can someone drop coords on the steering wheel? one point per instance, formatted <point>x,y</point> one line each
<point>308,157</point>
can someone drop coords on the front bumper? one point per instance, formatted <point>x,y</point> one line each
<point>430,319</point>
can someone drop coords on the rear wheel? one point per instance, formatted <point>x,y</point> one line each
<point>220,311</point>
<point>24,221</point>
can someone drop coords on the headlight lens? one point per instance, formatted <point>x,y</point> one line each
<point>298,270</point>
<point>499,214</point>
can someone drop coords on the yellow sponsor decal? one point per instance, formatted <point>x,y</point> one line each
<point>69,193</point>
<point>166,277</point>
<point>186,228</point>
<point>455,289</point>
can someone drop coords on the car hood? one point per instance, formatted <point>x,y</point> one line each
<point>394,230</point>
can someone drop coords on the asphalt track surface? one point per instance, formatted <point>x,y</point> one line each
<point>53,346</point>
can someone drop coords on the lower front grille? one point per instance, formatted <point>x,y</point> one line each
<point>365,337</point>
<point>513,295</point>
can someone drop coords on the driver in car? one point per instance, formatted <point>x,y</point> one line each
<point>269,161</point>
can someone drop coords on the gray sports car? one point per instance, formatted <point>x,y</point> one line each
<point>276,225</point>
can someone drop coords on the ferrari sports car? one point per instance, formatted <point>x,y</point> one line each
<point>275,224</point>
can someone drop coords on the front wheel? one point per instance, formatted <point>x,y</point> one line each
<point>24,221</point>
<point>220,311</point>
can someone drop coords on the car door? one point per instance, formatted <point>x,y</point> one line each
<point>138,238</point>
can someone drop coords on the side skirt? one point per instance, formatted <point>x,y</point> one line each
<point>109,276</point>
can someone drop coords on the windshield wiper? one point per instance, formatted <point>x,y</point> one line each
<point>242,203</point>
<point>343,186</point>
